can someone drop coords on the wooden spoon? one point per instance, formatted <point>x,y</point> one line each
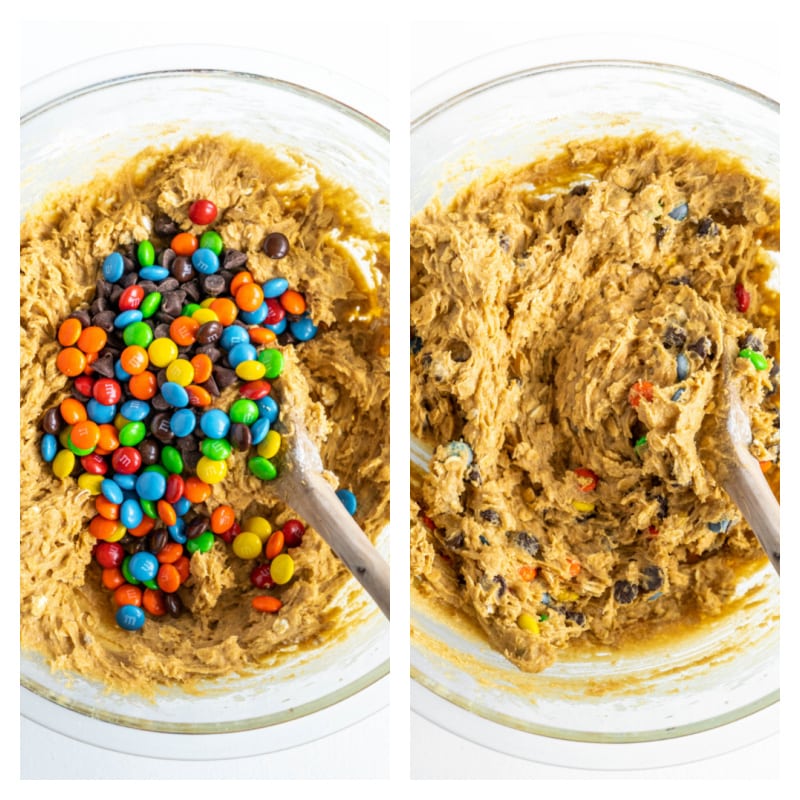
<point>301,485</point>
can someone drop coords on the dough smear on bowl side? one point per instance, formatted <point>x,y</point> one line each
<point>568,321</point>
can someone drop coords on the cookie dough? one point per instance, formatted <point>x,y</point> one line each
<point>341,377</point>
<point>570,321</point>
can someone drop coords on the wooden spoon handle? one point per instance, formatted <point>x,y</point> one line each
<point>748,488</point>
<point>316,501</point>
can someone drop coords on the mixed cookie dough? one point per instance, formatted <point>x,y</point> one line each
<point>339,379</point>
<point>570,323</point>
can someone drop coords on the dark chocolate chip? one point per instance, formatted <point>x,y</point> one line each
<point>575,616</point>
<point>661,232</point>
<point>82,315</point>
<point>165,226</point>
<point>213,285</point>
<point>224,377</point>
<point>104,365</point>
<point>416,344</point>
<point>625,592</point>
<point>233,260</point>
<point>161,331</point>
<point>276,245</point>
<point>752,342</point>
<point>674,337</point>
<point>579,190</point>
<point>707,227</point>
<point>128,279</point>
<point>456,541</point>
<point>703,347</point>
<point>172,303</point>
<point>653,579</point>
<point>166,257</point>
<point>527,541</point>
<point>490,515</point>
<point>168,285</point>
<point>192,289</point>
<point>499,579</point>
<point>211,387</point>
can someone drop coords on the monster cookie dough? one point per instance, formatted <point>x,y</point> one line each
<point>289,222</point>
<point>571,321</point>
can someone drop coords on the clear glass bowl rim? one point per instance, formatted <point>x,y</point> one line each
<point>236,64</point>
<point>433,98</point>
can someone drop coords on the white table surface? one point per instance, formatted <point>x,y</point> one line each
<point>417,52</point>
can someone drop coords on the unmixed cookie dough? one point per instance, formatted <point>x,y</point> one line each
<point>340,379</point>
<point>569,325</point>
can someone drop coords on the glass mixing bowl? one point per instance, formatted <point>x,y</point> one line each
<point>497,111</point>
<point>91,118</point>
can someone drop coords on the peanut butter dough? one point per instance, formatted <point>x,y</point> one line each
<point>342,374</point>
<point>569,325</point>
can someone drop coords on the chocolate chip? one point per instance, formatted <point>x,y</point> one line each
<point>182,269</point>
<point>104,365</point>
<point>82,315</point>
<point>241,437</point>
<point>490,515</point>
<point>663,507</point>
<point>276,245</point>
<point>191,459</point>
<point>707,227</point>
<point>129,262</point>
<point>703,347</point>
<point>499,579</point>
<point>234,260</point>
<point>579,190</point>
<point>211,387</point>
<point>416,344</point>
<point>166,257</point>
<point>52,421</point>
<point>214,353</point>
<point>752,342</point>
<point>159,403</point>
<point>224,377</point>
<point>172,303</point>
<point>168,285</point>
<point>161,331</point>
<point>456,541</point>
<point>683,280</point>
<point>128,279</point>
<point>165,226</point>
<point>661,231</point>
<point>192,289</point>
<point>213,285</point>
<point>674,337</point>
<point>100,303</point>
<point>625,592</point>
<point>528,542</point>
<point>148,286</point>
<point>575,616</point>
<point>653,579</point>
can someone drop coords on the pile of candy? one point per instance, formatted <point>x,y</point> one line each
<point>168,331</point>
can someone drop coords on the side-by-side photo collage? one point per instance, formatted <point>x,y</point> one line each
<point>399,401</point>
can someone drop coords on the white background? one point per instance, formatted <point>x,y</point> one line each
<point>390,51</point>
